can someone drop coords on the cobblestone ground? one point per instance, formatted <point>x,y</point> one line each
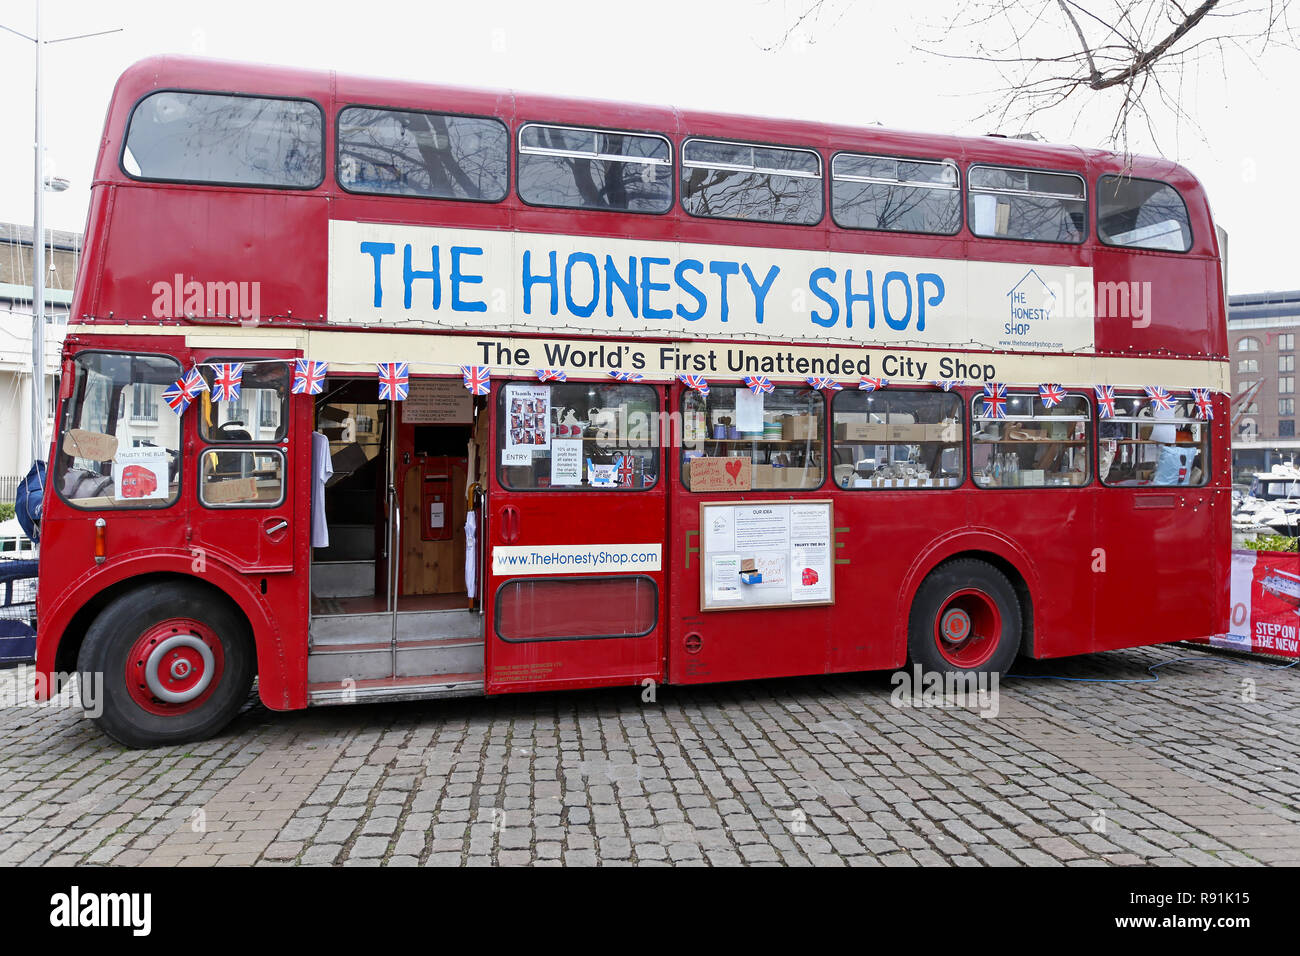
<point>1200,767</point>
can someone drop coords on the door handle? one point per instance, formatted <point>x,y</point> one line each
<point>509,523</point>
<point>274,529</point>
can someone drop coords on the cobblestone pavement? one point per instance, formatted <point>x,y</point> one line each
<point>1198,768</point>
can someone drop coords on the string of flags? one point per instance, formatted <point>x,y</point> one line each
<point>309,377</point>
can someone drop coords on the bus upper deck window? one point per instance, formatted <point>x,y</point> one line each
<point>1142,214</point>
<point>1011,203</point>
<point>434,155</point>
<point>724,180</point>
<point>222,139</point>
<point>119,443</point>
<point>894,194</point>
<point>595,169</point>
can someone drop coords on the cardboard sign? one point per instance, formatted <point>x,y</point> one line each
<point>92,446</point>
<point>720,474</point>
<point>230,491</point>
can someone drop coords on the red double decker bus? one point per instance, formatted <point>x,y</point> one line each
<point>380,390</point>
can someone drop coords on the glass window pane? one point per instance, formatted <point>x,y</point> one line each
<point>247,478</point>
<point>1033,446</point>
<point>259,414</point>
<point>1025,204</point>
<point>578,436</point>
<point>895,438</point>
<point>591,181</point>
<point>558,609</point>
<point>777,439</point>
<point>434,155</point>
<point>1142,214</point>
<point>896,208</point>
<point>110,457</point>
<point>213,138</point>
<point>1145,445</point>
<point>755,192</point>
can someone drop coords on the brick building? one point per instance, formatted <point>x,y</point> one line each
<point>1262,331</point>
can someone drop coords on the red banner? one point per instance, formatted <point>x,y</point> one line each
<point>1265,604</point>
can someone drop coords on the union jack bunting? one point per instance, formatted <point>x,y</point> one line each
<point>626,376</point>
<point>477,378</point>
<point>625,471</point>
<point>394,381</point>
<point>184,390</point>
<point>1160,397</point>
<point>1052,395</point>
<point>1105,400</point>
<point>758,384</point>
<point>949,384</point>
<point>1204,407</point>
<point>868,384</point>
<point>995,400</point>
<point>226,380</point>
<point>824,384</point>
<point>551,375</point>
<point>697,382</point>
<point>308,377</point>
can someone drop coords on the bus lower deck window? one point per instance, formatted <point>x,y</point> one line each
<point>1144,444</point>
<point>897,438</point>
<point>734,440</point>
<point>1032,444</point>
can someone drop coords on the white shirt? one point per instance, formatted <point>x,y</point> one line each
<point>322,468</point>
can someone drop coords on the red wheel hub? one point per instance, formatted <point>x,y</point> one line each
<point>968,628</point>
<point>174,667</point>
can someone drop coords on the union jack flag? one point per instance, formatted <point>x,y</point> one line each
<point>868,384</point>
<point>697,382</point>
<point>995,400</point>
<point>949,384</point>
<point>1105,400</point>
<point>1204,407</point>
<point>758,384</point>
<point>226,380</point>
<point>626,376</point>
<point>1052,395</point>
<point>477,378</point>
<point>551,375</point>
<point>184,390</point>
<point>394,381</point>
<point>824,383</point>
<point>1160,397</point>
<point>625,471</point>
<point>308,377</point>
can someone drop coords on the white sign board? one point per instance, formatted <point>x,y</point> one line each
<point>766,554</point>
<point>387,275</point>
<point>433,401</point>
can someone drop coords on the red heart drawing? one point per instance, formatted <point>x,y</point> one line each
<point>733,469</point>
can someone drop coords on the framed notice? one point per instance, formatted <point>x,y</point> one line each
<point>766,554</point>
<point>438,401</point>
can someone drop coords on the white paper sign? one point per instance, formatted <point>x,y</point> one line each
<point>566,461</point>
<point>724,575</point>
<point>140,474</point>
<point>749,410</point>
<point>528,416</point>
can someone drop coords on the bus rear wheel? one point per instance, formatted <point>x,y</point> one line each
<point>165,664</point>
<point>965,617</point>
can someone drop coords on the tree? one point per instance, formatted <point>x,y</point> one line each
<point>1052,55</point>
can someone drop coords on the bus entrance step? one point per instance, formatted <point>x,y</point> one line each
<point>374,660</point>
<point>394,688</point>
<point>330,629</point>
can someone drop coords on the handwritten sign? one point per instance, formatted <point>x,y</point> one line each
<point>720,474</point>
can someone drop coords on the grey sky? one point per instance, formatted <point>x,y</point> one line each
<point>706,55</point>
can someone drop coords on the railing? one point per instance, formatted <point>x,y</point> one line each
<point>9,488</point>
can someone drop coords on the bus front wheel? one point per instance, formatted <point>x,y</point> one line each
<point>965,617</point>
<point>165,664</point>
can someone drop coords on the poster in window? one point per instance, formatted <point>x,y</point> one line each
<point>528,417</point>
<point>140,474</point>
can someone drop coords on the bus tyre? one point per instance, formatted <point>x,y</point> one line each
<point>965,617</point>
<point>171,665</point>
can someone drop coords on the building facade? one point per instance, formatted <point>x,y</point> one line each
<point>1262,331</point>
<point>63,253</point>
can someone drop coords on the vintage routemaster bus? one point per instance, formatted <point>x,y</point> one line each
<point>378,390</point>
